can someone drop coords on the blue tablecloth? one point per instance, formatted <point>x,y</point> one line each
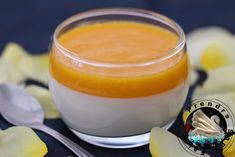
<point>31,24</point>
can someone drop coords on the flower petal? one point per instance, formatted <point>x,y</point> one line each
<point>218,53</point>
<point>31,66</point>
<point>44,97</point>
<point>219,80</point>
<point>21,142</point>
<point>10,73</point>
<point>35,67</point>
<point>198,40</point>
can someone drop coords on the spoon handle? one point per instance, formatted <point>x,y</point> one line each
<point>79,151</point>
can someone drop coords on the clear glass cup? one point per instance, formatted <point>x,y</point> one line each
<point>119,121</point>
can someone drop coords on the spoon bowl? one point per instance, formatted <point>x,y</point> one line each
<point>19,107</point>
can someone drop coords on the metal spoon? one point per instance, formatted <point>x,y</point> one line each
<point>20,108</point>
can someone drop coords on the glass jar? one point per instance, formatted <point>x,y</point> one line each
<point>116,104</point>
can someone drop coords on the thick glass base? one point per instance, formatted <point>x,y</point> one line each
<point>117,142</point>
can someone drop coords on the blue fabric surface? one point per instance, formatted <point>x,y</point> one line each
<point>31,24</point>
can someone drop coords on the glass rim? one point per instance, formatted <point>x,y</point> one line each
<point>121,11</point>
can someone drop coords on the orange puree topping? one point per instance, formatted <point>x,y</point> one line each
<point>119,42</point>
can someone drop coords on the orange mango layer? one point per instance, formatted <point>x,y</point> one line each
<point>119,42</point>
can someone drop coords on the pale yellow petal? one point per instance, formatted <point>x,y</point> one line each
<point>199,39</point>
<point>219,80</point>
<point>218,53</point>
<point>31,66</point>
<point>227,97</point>
<point>35,67</point>
<point>13,53</point>
<point>44,97</point>
<point>10,73</point>
<point>21,142</point>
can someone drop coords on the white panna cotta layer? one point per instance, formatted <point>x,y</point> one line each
<point>116,117</point>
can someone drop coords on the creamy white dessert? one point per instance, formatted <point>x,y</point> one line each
<point>116,117</point>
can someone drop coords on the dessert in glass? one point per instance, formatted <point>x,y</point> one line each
<point>116,73</point>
